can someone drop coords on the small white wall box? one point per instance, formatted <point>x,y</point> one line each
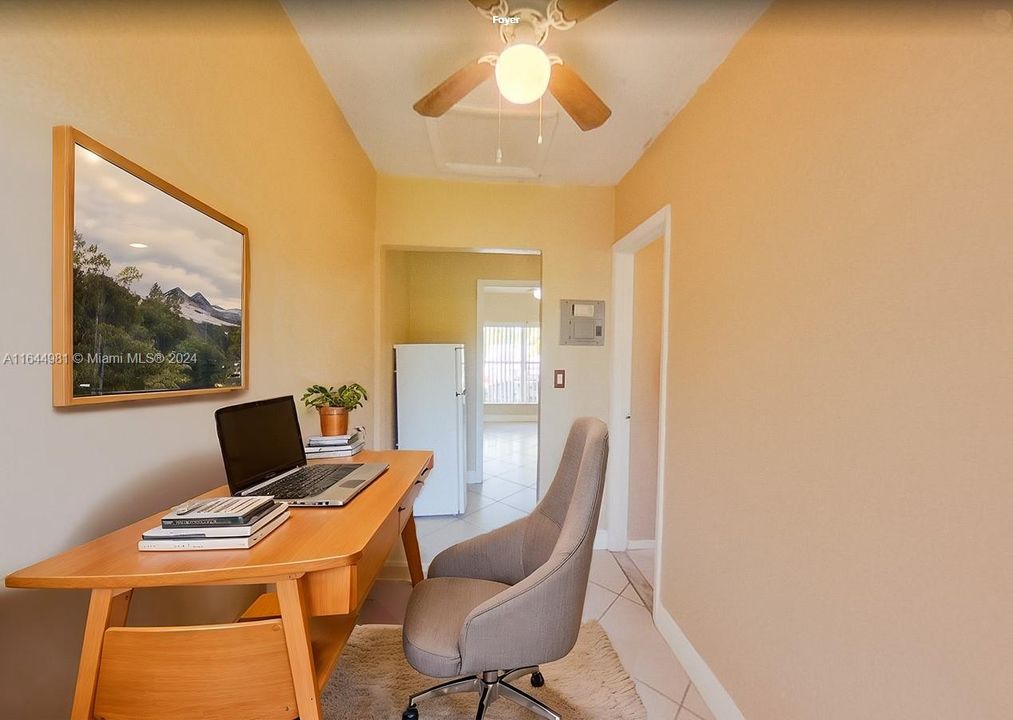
<point>582,322</point>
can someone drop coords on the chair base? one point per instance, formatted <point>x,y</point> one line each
<point>490,686</point>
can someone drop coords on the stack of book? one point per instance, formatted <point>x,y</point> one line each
<point>230,523</point>
<point>332,446</point>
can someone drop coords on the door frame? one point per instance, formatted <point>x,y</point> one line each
<point>479,401</point>
<point>659,225</point>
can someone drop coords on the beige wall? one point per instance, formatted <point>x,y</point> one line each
<point>571,226</point>
<point>443,299</point>
<point>837,499</point>
<point>229,107</point>
<point>645,390</point>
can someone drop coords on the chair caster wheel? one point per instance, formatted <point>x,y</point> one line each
<point>411,713</point>
<point>537,679</point>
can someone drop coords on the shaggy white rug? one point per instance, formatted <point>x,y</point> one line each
<point>373,682</point>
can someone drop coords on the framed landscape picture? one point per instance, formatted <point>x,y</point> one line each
<point>149,284</point>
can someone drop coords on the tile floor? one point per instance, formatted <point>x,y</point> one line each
<point>644,560</point>
<point>663,685</point>
<point>507,493</point>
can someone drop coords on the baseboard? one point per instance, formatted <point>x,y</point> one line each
<point>601,540</point>
<point>706,682</point>
<point>471,477</point>
<point>640,545</point>
<point>509,418</point>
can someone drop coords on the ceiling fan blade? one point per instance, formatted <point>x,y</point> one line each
<point>577,10</point>
<point>577,98</point>
<point>448,93</point>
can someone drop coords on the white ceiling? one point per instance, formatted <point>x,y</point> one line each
<point>645,58</point>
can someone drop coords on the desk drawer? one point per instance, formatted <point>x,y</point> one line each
<point>404,508</point>
<point>341,590</point>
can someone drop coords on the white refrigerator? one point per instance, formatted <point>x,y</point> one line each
<point>431,416</point>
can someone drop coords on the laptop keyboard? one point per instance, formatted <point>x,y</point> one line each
<point>309,481</point>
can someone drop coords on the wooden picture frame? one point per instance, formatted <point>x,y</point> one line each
<point>148,206</point>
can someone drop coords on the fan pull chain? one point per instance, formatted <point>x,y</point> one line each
<point>539,120</point>
<point>499,133</point>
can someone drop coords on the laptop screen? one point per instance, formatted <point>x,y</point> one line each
<point>259,441</point>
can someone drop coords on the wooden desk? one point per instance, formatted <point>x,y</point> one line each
<point>273,662</point>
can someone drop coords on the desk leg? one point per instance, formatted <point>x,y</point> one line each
<point>410,540</point>
<point>296,621</point>
<point>106,609</point>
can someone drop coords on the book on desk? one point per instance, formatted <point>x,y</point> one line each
<point>335,446</point>
<point>229,523</point>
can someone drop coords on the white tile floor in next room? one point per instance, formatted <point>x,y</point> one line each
<point>507,493</point>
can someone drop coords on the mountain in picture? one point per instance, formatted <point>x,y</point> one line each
<point>197,308</point>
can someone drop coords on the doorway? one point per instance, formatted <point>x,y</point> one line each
<point>633,414</point>
<point>509,357</point>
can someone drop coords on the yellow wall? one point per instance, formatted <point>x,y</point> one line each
<point>393,321</point>
<point>837,536</point>
<point>571,226</point>
<point>229,107</point>
<point>645,390</point>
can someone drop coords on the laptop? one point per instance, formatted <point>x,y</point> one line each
<point>263,453</point>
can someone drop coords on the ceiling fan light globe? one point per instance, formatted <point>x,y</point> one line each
<point>522,73</point>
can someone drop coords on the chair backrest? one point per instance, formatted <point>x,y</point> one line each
<point>568,513</point>
<point>537,619</point>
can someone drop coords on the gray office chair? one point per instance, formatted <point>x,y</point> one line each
<point>498,605</point>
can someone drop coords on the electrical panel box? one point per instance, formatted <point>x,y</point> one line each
<point>582,322</point>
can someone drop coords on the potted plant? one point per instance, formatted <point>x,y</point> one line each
<point>334,405</point>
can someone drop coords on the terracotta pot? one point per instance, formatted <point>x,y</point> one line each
<point>333,421</point>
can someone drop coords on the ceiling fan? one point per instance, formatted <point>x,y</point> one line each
<point>523,70</point>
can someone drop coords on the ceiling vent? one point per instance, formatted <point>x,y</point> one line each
<point>465,140</point>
